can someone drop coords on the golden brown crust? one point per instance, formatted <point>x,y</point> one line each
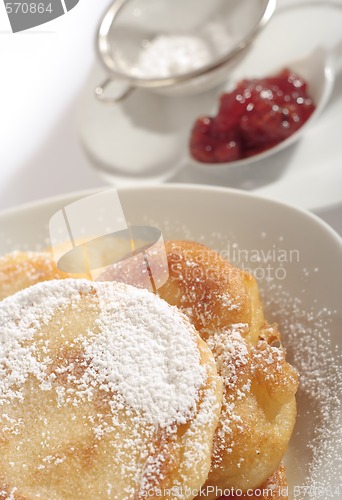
<point>223,294</point>
<point>200,276</point>
<point>258,410</point>
<point>19,270</point>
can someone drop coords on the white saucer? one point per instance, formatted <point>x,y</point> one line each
<point>145,138</point>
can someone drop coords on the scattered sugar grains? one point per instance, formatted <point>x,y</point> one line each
<point>231,354</point>
<point>307,338</point>
<point>145,350</point>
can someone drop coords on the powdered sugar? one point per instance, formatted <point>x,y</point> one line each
<point>230,352</point>
<point>145,350</point>
<point>309,345</point>
<point>228,302</point>
<point>168,55</point>
<point>20,317</point>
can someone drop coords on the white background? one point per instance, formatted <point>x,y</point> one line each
<point>42,72</point>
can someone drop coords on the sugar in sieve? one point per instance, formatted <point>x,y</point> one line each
<point>175,46</point>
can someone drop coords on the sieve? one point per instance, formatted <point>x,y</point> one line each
<point>175,46</point>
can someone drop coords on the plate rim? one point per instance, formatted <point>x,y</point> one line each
<point>16,210</point>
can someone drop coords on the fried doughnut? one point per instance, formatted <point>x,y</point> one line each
<point>216,297</point>
<point>106,391</point>
<point>214,293</point>
<point>19,270</point>
<point>258,408</point>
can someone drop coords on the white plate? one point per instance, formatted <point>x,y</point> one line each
<point>145,138</point>
<point>301,256</point>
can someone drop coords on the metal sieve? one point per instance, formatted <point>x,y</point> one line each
<point>139,41</point>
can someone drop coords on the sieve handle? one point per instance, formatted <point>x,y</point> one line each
<point>100,93</point>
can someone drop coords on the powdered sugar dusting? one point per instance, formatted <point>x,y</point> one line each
<point>240,364</point>
<point>230,351</point>
<point>20,317</point>
<point>319,363</point>
<point>228,302</point>
<point>145,350</point>
<point>231,354</point>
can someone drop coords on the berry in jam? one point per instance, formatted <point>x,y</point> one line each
<point>256,116</point>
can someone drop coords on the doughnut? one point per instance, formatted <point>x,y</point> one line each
<point>258,408</point>
<point>224,305</point>
<point>19,270</point>
<point>106,392</point>
<point>211,291</point>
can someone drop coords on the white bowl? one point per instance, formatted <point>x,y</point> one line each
<point>298,260</point>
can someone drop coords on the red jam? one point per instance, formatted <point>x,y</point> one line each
<point>256,116</point>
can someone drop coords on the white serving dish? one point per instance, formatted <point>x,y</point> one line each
<point>301,254</point>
